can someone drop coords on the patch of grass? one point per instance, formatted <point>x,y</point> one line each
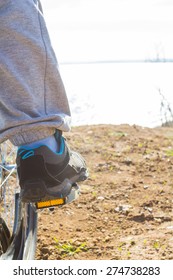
<point>128,254</point>
<point>120,247</point>
<point>94,193</point>
<point>156,245</point>
<point>145,242</point>
<point>140,145</point>
<point>70,248</point>
<point>169,153</point>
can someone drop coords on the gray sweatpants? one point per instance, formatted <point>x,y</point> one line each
<point>33,100</point>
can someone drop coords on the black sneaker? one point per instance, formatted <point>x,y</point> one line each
<point>45,175</point>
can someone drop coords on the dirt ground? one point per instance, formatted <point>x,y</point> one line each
<point>125,207</point>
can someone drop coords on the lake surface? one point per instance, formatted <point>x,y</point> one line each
<point>116,93</point>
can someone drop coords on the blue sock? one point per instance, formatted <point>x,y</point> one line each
<point>48,141</point>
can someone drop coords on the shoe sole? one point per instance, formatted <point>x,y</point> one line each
<point>36,190</point>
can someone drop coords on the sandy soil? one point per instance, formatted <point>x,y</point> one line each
<point>125,207</point>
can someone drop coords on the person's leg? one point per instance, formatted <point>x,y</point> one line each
<point>33,101</point>
<point>33,105</point>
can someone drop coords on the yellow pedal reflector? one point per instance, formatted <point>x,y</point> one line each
<point>50,203</point>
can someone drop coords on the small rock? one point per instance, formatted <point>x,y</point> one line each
<point>107,239</point>
<point>78,229</point>
<point>45,257</point>
<point>128,161</point>
<point>79,206</point>
<point>170,227</point>
<point>123,208</point>
<point>45,250</point>
<point>148,208</point>
<point>100,198</point>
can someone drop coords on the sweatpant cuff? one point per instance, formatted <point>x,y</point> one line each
<point>31,136</point>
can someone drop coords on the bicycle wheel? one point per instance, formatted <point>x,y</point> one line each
<point>18,221</point>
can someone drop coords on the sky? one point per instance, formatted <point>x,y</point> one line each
<point>101,30</point>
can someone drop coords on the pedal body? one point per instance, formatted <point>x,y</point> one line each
<point>73,195</point>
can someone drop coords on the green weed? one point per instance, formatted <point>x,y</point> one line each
<point>156,245</point>
<point>169,153</point>
<point>140,145</point>
<point>70,248</point>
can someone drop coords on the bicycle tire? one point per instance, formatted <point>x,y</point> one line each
<point>18,220</point>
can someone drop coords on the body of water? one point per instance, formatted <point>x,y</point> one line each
<point>116,93</point>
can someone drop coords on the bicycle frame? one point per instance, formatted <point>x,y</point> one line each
<point>18,241</point>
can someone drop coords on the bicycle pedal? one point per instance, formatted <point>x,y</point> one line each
<point>50,203</point>
<point>73,195</point>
